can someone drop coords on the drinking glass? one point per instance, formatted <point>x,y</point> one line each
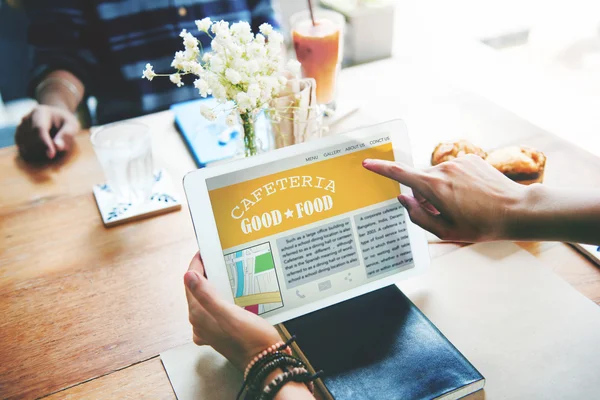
<point>124,150</point>
<point>319,49</point>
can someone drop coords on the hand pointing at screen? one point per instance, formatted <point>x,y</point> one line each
<point>466,199</point>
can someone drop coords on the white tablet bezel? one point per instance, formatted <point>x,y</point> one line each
<point>195,187</point>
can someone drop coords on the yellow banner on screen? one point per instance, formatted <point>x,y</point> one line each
<point>275,203</point>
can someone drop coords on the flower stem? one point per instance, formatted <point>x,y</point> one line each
<point>249,134</point>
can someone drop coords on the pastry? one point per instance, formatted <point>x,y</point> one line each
<point>449,151</point>
<point>521,164</point>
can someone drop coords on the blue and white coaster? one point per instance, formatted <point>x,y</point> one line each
<point>164,199</point>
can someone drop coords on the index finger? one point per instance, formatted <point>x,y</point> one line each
<point>41,125</point>
<point>399,172</point>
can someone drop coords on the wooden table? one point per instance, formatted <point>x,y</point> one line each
<point>86,310</point>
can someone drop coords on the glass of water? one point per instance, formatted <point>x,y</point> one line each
<point>124,150</point>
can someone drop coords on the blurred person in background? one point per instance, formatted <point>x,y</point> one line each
<point>99,48</point>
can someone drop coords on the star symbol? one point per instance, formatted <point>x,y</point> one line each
<point>289,213</point>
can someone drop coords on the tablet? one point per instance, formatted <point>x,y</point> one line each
<point>297,229</point>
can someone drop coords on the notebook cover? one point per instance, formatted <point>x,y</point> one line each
<point>204,138</point>
<point>589,250</point>
<point>380,346</point>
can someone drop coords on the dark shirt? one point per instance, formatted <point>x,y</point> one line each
<point>107,44</point>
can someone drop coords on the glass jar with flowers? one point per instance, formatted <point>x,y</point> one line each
<point>242,71</point>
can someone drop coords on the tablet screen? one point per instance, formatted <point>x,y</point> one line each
<point>310,226</point>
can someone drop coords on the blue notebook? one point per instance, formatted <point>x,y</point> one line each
<point>380,346</point>
<point>208,141</point>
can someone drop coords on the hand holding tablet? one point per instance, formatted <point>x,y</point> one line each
<point>304,227</point>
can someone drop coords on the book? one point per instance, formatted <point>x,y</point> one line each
<point>590,251</point>
<point>381,346</point>
<point>530,333</point>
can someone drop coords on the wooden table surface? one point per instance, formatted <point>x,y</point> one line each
<point>86,310</point>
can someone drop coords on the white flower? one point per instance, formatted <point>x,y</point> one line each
<point>196,68</point>
<point>189,41</point>
<point>203,87</point>
<point>254,91</point>
<point>208,112</point>
<point>217,47</point>
<point>192,54</point>
<point>203,24</point>
<point>268,82</point>
<point>235,50</point>
<point>178,60</point>
<point>148,73</point>
<point>241,67</point>
<point>252,66</point>
<point>244,102</point>
<point>217,65</point>
<point>220,27</point>
<point>176,79</point>
<point>232,119</point>
<point>256,50</point>
<point>186,66</point>
<point>242,31</point>
<point>273,49</point>
<point>233,76</point>
<point>219,92</point>
<point>265,96</point>
<point>293,66</point>
<point>275,38</point>
<point>244,78</point>
<point>265,29</point>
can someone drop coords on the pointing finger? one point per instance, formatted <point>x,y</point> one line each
<point>402,173</point>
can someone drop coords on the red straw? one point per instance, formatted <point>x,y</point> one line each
<point>312,14</point>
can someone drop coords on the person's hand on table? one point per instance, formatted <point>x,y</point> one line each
<point>465,199</point>
<point>234,332</point>
<point>237,334</point>
<point>45,132</point>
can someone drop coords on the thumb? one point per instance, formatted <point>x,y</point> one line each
<point>63,140</point>
<point>202,291</point>
<point>420,216</point>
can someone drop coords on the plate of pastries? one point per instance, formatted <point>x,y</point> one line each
<point>522,164</point>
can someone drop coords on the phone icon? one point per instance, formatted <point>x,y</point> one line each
<point>300,294</point>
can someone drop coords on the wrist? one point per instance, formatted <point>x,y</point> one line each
<point>60,89</point>
<point>520,219</point>
<point>56,100</point>
<point>558,214</point>
<point>547,214</point>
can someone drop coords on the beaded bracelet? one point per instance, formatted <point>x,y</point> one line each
<point>263,361</point>
<point>284,362</point>
<point>279,346</point>
<point>300,375</point>
<point>257,368</point>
